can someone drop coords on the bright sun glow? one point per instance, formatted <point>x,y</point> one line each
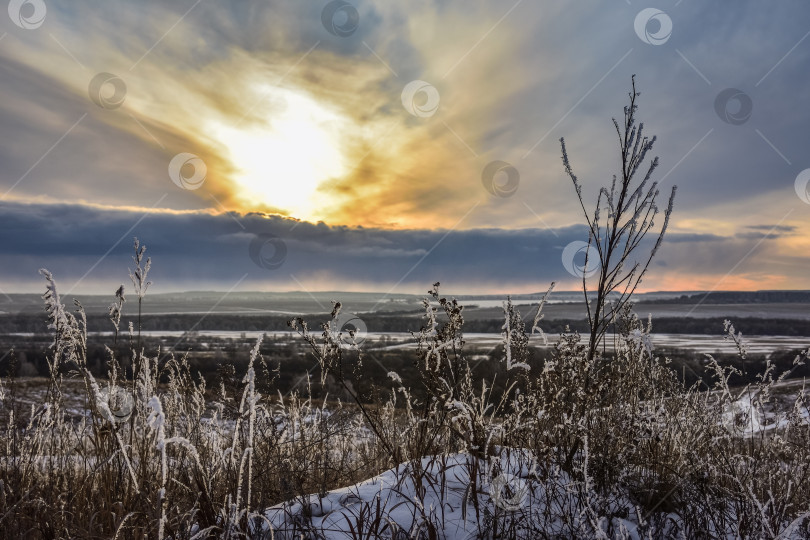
<point>282,164</point>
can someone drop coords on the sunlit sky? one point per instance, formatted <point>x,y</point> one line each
<point>356,133</point>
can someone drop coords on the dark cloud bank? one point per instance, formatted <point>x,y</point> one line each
<point>196,250</point>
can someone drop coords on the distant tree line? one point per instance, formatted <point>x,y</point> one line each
<point>35,324</point>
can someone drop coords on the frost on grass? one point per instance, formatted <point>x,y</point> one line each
<point>510,499</point>
<point>584,444</point>
<point>610,447</point>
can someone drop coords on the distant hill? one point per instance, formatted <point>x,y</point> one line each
<point>296,302</point>
<point>736,297</point>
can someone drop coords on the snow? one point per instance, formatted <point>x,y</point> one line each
<point>436,491</point>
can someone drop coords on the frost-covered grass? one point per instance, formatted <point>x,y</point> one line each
<point>612,447</point>
<point>593,445</point>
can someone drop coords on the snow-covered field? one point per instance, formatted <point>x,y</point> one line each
<point>455,497</point>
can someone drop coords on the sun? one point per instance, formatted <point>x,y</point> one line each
<point>282,163</point>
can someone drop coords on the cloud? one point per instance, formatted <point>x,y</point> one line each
<point>88,249</point>
<point>512,79</point>
<point>182,96</point>
<point>771,228</point>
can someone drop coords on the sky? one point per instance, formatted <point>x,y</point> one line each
<point>383,146</point>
